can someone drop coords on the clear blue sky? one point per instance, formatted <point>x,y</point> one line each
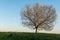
<point>10,13</point>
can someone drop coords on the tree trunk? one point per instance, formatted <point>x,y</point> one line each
<point>36,30</point>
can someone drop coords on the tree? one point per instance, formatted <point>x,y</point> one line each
<point>39,17</point>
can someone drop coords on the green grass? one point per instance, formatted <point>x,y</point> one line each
<point>28,36</point>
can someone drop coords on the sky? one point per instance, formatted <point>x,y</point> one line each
<point>10,19</point>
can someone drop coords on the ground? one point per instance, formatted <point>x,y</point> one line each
<point>28,36</point>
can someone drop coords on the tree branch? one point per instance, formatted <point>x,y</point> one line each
<point>30,19</point>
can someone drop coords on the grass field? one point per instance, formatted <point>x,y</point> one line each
<point>28,36</point>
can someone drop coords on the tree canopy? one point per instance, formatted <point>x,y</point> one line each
<point>39,17</point>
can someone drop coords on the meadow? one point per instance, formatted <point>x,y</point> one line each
<point>28,36</point>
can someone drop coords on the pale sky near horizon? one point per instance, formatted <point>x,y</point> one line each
<point>10,14</point>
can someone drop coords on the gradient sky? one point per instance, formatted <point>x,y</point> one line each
<point>10,14</point>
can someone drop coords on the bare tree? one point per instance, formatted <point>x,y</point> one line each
<point>39,17</point>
